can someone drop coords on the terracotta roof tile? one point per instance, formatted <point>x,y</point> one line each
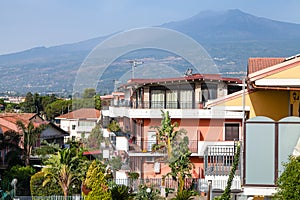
<point>8,120</point>
<point>81,113</point>
<point>256,64</point>
<point>192,77</point>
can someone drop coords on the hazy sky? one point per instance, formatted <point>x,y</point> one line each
<point>30,23</point>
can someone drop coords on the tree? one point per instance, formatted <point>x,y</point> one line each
<point>113,126</point>
<point>95,138</point>
<point>62,168</point>
<point>57,108</point>
<point>22,174</point>
<point>30,136</point>
<point>37,188</point>
<point>180,162</point>
<point>89,99</point>
<point>289,181</point>
<point>95,183</point>
<point>46,149</point>
<point>28,105</point>
<point>178,152</point>
<point>10,140</point>
<point>166,134</point>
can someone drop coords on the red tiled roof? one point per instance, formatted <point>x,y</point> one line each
<point>8,121</point>
<point>192,77</point>
<point>81,114</point>
<point>256,64</point>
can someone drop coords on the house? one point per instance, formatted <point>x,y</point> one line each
<point>211,132</point>
<point>271,128</point>
<point>52,133</point>
<point>79,123</point>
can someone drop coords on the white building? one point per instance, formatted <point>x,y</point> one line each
<point>79,122</point>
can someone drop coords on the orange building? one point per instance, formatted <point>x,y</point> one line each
<point>211,132</point>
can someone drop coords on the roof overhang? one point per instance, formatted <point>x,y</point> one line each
<point>278,82</point>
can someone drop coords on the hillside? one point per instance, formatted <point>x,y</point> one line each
<point>230,37</point>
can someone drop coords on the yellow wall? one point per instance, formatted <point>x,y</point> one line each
<point>286,74</point>
<point>270,103</point>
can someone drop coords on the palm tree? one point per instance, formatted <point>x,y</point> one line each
<point>66,167</point>
<point>30,137</point>
<point>9,142</point>
<point>61,168</point>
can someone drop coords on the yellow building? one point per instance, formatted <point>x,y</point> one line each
<point>273,88</point>
<point>270,102</point>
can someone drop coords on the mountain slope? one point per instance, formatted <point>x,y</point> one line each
<point>234,25</point>
<point>230,37</point>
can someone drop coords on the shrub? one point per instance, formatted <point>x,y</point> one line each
<point>22,174</point>
<point>184,195</point>
<point>119,192</point>
<point>147,193</point>
<point>289,181</point>
<point>96,183</point>
<point>37,189</point>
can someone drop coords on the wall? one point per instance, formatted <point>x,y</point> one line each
<point>270,103</point>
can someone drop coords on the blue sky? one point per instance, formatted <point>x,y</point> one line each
<point>30,23</point>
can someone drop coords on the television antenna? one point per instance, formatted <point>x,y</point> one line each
<point>134,64</point>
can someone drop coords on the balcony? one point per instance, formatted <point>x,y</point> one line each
<point>144,148</point>
<point>140,113</point>
<point>218,160</point>
<point>157,104</point>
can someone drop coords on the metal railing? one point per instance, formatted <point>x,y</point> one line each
<point>189,183</point>
<point>218,160</point>
<point>146,146</point>
<point>156,104</point>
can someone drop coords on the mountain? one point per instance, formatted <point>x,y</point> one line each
<point>230,37</point>
<point>234,25</point>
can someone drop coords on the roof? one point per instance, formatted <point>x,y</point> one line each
<point>267,70</point>
<point>83,113</point>
<point>204,77</point>
<point>8,121</point>
<point>257,64</point>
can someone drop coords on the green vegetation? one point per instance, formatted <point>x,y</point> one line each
<point>119,192</point>
<point>37,188</point>
<point>95,138</point>
<point>114,126</point>
<point>184,195</point>
<point>51,106</point>
<point>23,175</point>
<point>64,169</point>
<point>226,194</point>
<point>289,182</point>
<point>147,192</point>
<point>178,152</point>
<point>96,183</point>
<point>30,137</point>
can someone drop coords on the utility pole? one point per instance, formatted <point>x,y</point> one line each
<point>134,64</point>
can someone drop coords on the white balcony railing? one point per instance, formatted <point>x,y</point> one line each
<point>174,113</point>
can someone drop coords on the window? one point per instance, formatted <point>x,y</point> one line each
<point>87,123</point>
<point>150,159</point>
<point>209,91</point>
<point>73,127</point>
<point>151,140</point>
<point>171,96</point>
<point>157,98</point>
<point>231,132</point>
<point>186,99</point>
